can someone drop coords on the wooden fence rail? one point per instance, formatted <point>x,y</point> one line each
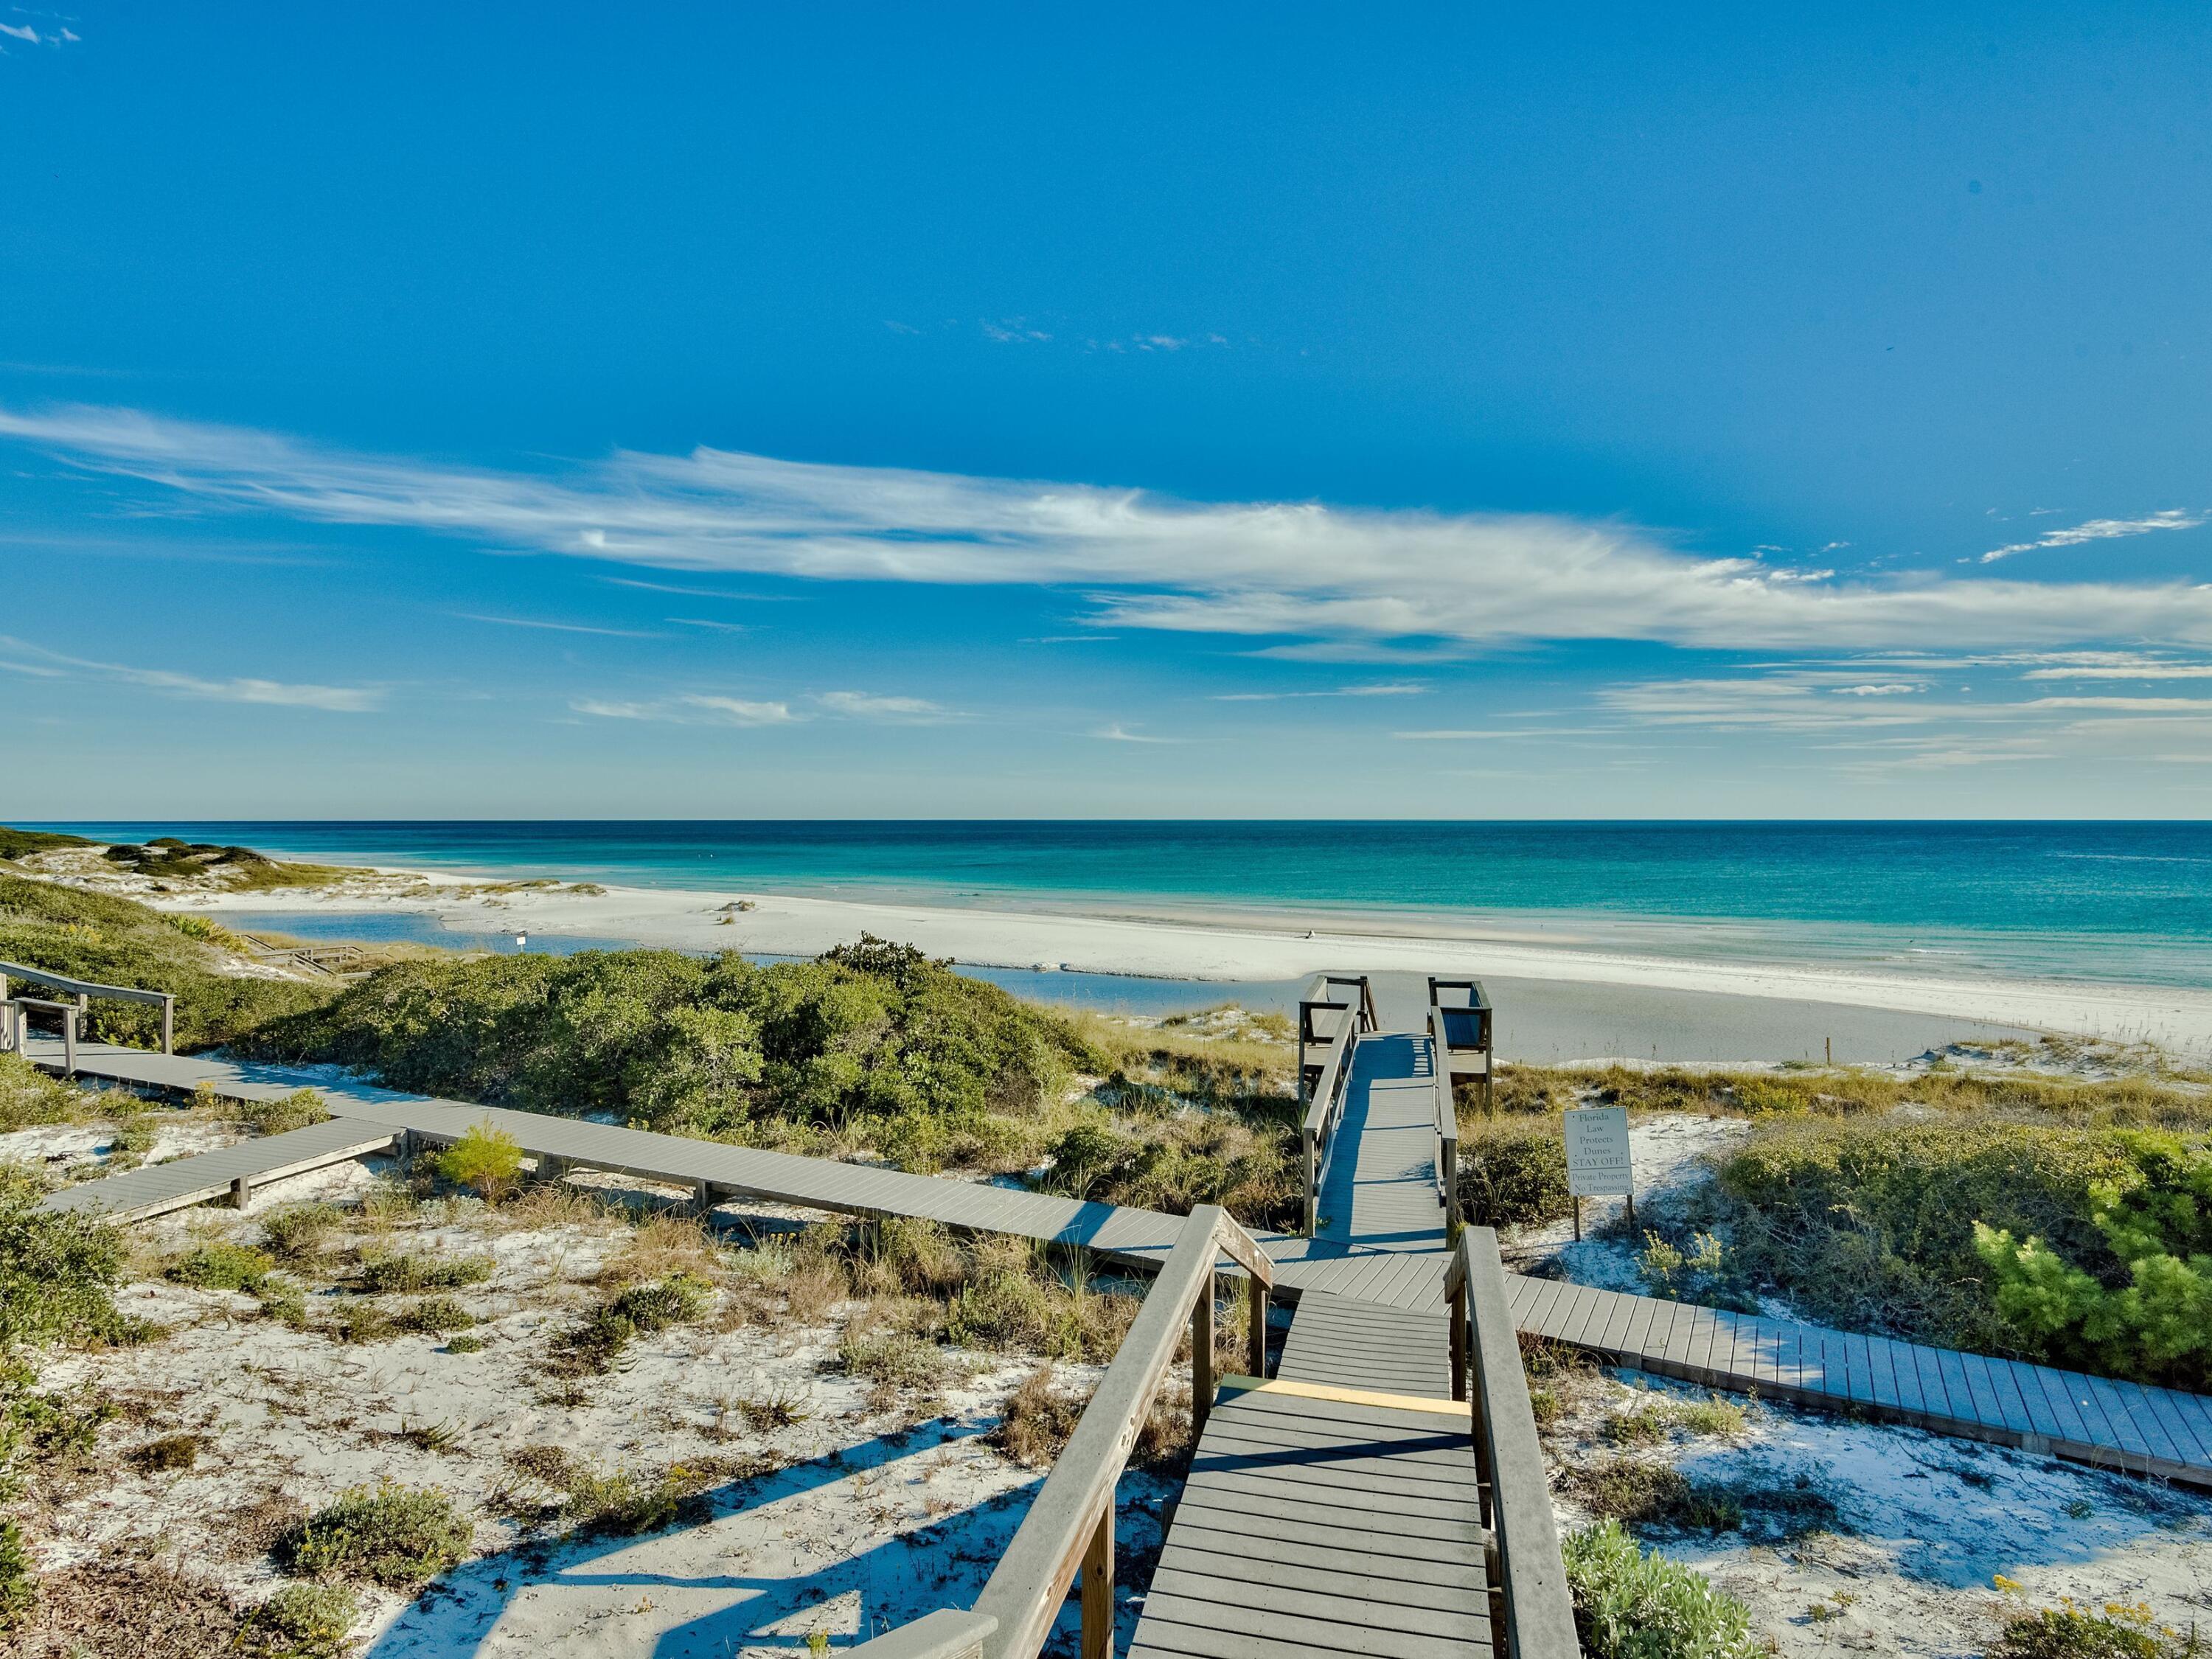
<point>1464,1028</point>
<point>1447,1147</point>
<point>84,991</point>
<point>1531,1610</point>
<point>1069,1526</point>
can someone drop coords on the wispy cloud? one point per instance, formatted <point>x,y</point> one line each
<point>335,699</point>
<point>553,627</point>
<point>2099,529</point>
<point>1388,689</point>
<point>712,627</point>
<point>1117,733</point>
<point>866,706</point>
<point>694,708</point>
<point>1400,586</point>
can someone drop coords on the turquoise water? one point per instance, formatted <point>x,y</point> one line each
<point>2102,900</point>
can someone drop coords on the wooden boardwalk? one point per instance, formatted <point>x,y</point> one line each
<point>2162,1432</point>
<point>1332,1511</point>
<point>1371,1253</point>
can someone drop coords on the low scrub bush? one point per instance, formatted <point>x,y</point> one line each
<point>1011,1305</point>
<point>2117,1631</point>
<point>303,1621</point>
<point>301,1232</point>
<point>381,1273</point>
<point>894,1359</point>
<point>1660,1496</point>
<point>2085,1246</point>
<point>1513,1171</point>
<point>1038,1419</point>
<point>865,1034</point>
<point>390,1534</point>
<point>435,1316</point>
<point>598,1337</point>
<point>221,1266</point>
<point>565,1490</point>
<point>29,1098</point>
<point>57,1273</point>
<point>1633,1604</point>
<point>296,1110</point>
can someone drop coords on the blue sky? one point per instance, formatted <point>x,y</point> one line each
<point>1043,411</point>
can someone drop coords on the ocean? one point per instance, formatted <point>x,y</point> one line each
<point>2128,901</point>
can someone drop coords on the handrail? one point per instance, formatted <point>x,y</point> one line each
<point>1447,1146</point>
<point>1070,1525</point>
<point>1531,1607</point>
<point>84,990</point>
<point>1478,1004</point>
<point>1322,1109</point>
<point>1369,1020</point>
<point>18,1026</point>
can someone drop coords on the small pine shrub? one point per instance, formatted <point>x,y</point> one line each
<point>465,1344</point>
<point>487,1161</point>
<point>1632,1605</point>
<point>57,1273</point>
<point>1037,1421</point>
<point>171,1451</point>
<point>301,1232</point>
<point>390,1534</point>
<point>896,1359</point>
<point>19,1584</point>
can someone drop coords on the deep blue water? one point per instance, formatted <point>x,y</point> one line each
<point>2130,901</point>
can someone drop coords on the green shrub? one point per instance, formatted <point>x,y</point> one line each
<point>488,1161</point>
<point>222,1267</point>
<point>390,1534</point>
<point>57,1273</point>
<point>300,1232</point>
<point>2117,1632</point>
<point>435,1316</point>
<point>29,1098</point>
<point>1513,1171</point>
<point>19,1583</point>
<point>296,1110</point>
<point>1632,1605</point>
<point>601,1336</point>
<point>303,1621</point>
<point>867,1033</point>
<point>897,1359</point>
<point>381,1274</point>
<point>2086,1246</point>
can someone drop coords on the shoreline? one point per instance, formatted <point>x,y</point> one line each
<point>1185,947</point>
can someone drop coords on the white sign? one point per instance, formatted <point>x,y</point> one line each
<point>1597,1151</point>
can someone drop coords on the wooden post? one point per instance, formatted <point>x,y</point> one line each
<point>1256,1307</point>
<point>1632,1215</point>
<point>1459,1349</point>
<point>1578,1218</point>
<point>1201,1361</point>
<point>168,1025</point>
<point>1098,1587</point>
<point>68,1041</point>
<point>702,1197</point>
<point>241,1192</point>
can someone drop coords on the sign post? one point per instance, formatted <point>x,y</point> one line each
<point>1598,1157</point>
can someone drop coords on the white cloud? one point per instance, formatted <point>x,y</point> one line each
<point>1120,733</point>
<point>1389,689</point>
<point>1394,586</point>
<point>554,627</point>
<point>1891,689</point>
<point>334,699</point>
<point>864,706</point>
<point>2099,529</point>
<point>691,709</point>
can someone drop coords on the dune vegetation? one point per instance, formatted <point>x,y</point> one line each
<point>2045,1215</point>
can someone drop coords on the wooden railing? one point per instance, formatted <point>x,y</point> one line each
<point>1467,1027</point>
<point>338,960</point>
<point>1324,1108</point>
<point>83,991</point>
<point>1069,1526</point>
<point>1447,1148</point>
<point>1532,1612</point>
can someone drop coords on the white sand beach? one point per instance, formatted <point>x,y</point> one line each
<point>1648,999</point>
